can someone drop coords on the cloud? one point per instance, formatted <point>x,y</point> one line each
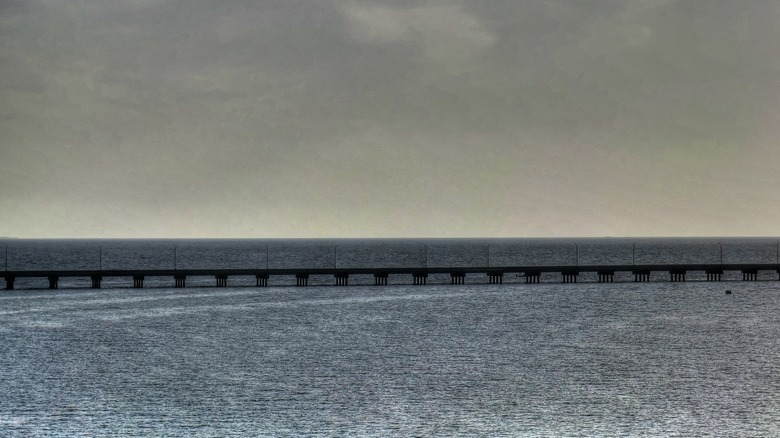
<point>446,33</point>
<point>411,117</point>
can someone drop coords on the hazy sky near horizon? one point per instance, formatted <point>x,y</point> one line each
<point>290,118</point>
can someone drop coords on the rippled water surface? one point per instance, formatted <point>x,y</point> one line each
<point>538,360</point>
<point>550,359</point>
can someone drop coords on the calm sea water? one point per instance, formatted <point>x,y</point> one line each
<point>586,359</point>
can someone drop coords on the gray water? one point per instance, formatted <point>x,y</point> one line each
<point>586,359</point>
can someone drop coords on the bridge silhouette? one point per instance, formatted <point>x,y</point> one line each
<point>417,275</point>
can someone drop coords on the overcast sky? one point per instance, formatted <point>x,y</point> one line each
<point>330,118</point>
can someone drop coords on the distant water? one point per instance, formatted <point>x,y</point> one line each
<point>586,359</point>
<point>362,253</point>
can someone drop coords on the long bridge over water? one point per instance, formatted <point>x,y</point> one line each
<point>417,276</point>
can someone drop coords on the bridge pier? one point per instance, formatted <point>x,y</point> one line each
<point>606,276</point>
<point>54,282</point>
<point>221,280</point>
<point>641,276</point>
<point>749,274</point>
<point>677,276</point>
<point>533,277</point>
<point>96,279</point>
<point>496,277</point>
<point>420,278</point>
<point>262,280</point>
<point>342,279</point>
<point>380,279</point>
<point>570,276</point>
<point>301,279</point>
<point>714,275</point>
<point>180,280</point>
<point>457,278</point>
<point>138,281</point>
<point>9,282</point>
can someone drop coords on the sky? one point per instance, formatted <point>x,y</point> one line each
<point>340,118</point>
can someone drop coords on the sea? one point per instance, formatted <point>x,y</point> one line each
<point>619,359</point>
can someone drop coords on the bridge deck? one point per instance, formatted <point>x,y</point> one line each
<point>396,270</point>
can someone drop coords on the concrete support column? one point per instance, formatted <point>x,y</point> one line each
<point>496,277</point>
<point>677,276</point>
<point>54,282</point>
<point>96,279</point>
<point>714,275</point>
<point>533,277</point>
<point>641,276</point>
<point>570,276</point>
<point>457,278</point>
<point>301,279</point>
<point>750,275</point>
<point>180,280</point>
<point>342,279</point>
<point>380,279</point>
<point>221,280</point>
<point>138,281</point>
<point>606,276</point>
<point>262,280</point>
<point>420,278</point>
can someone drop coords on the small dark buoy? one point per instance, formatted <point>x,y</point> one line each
<point>728,292</point>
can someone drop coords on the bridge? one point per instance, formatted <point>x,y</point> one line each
<point>417,276</point>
